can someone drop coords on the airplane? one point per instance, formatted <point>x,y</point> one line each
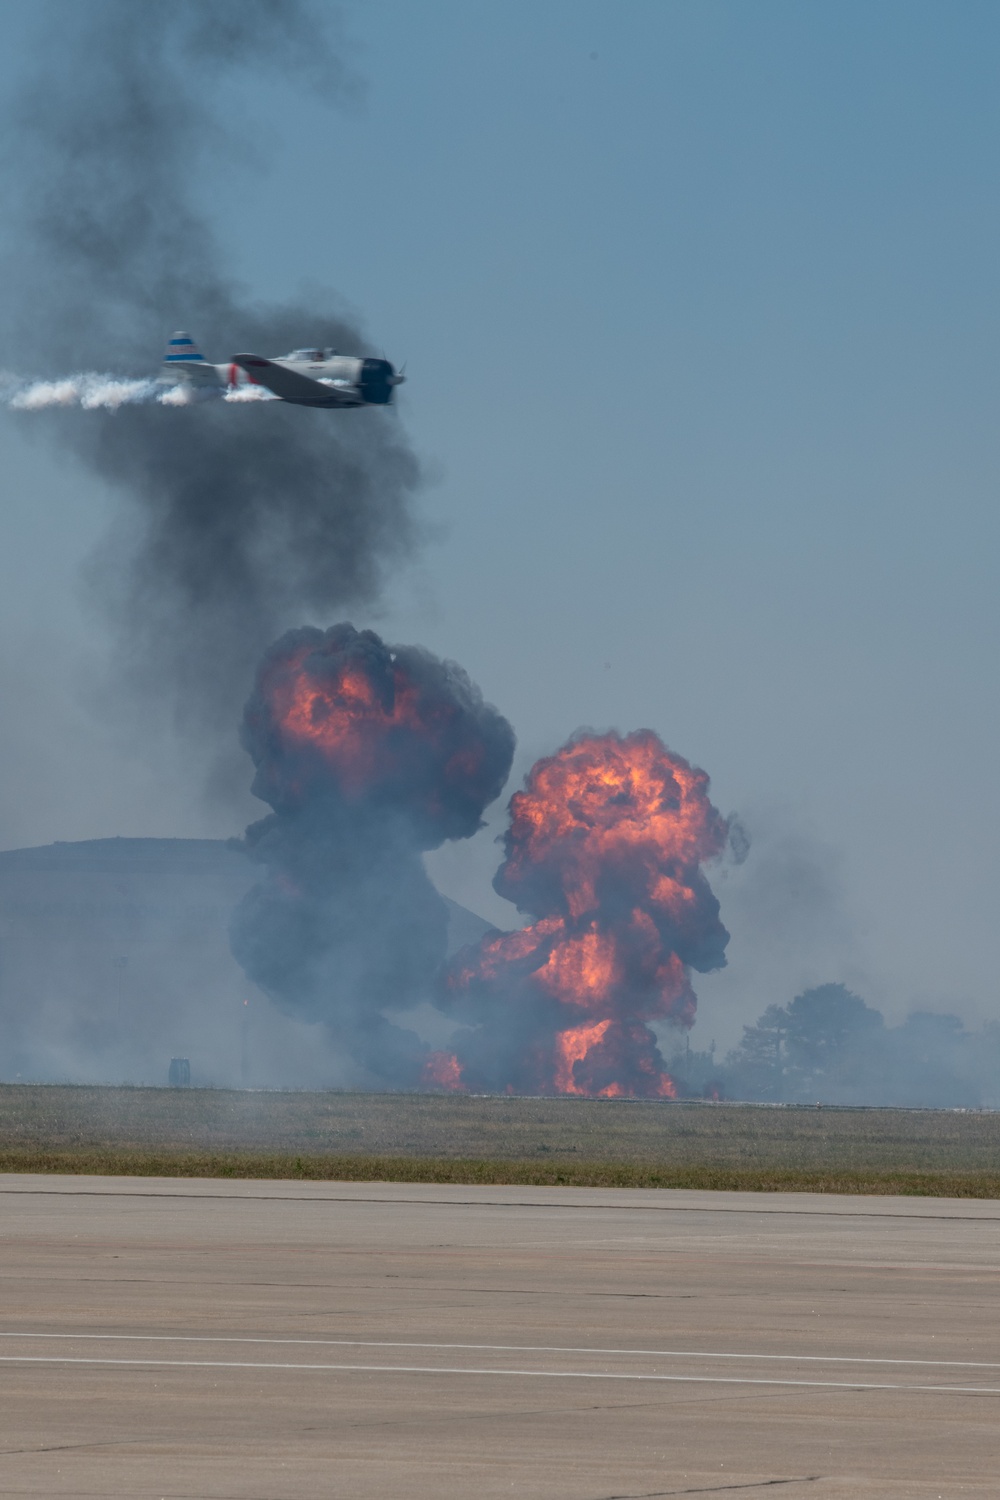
<point>307,377</point>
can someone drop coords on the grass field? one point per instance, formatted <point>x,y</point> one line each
<point>452,1138</point>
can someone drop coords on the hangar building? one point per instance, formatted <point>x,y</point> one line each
<point>114,959</point>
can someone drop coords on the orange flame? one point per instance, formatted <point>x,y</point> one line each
<point>572,1047</point>
<point>605,848</point>
<point>370,727</point>
<point>356,722</point>
<point>442,1070</point>
<point>607,806</point>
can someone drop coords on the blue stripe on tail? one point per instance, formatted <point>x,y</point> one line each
<point>182,347</point>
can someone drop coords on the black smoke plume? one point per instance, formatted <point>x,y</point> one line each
<point>369,755</point>
<point>238,520</point>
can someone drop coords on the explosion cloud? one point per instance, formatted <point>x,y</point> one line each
<point>604,850</point>
<point>368,754</point>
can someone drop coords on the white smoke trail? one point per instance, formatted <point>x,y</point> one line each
<point>95,392</point>
<point>186,393</point>
<point>90,390</point>
<point>249,393</point>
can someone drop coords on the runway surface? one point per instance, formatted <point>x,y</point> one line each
<point>269,1341</point>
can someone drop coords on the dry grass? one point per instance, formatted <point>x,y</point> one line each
<point>449,1138</point>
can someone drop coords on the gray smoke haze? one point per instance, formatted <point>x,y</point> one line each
<point>792,923</point>
<point>238,520</point>
<point>369,755</point>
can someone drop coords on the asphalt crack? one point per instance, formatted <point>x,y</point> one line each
<point>714,1489</point>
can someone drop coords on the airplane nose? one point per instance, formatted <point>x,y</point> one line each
<point>377,381</point>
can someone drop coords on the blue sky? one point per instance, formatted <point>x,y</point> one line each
<point>699,303</point>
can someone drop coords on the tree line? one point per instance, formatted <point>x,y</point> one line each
<point>828,1046</point>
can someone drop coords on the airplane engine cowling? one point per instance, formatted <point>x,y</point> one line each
<point>377,381</point>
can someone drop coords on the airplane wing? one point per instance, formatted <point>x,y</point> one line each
<point>290,385</point>
<point>199,373</point>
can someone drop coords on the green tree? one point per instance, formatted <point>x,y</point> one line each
<point>833,1041</point>
<point>757,1066</point>
<point>826,1044</point>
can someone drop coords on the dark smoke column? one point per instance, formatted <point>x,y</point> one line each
<point>235,519</point>
<point>369,755</point>
<point>604,849</point>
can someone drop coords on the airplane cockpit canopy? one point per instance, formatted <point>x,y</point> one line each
<point>311,356</point>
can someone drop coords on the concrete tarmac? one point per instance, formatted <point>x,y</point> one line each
<point>270,1341</point>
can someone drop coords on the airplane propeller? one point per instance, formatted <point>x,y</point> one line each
<point>399,378</point>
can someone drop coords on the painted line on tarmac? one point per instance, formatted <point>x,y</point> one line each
<point>229,1338</point>
<point>649,1208</point>
<point>225,1364</point>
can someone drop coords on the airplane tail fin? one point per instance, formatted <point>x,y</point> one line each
<point>184,362</point>
<point>182,349</point>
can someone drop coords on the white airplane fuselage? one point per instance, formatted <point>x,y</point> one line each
<point>306,377</point>
<point>341,370</point>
